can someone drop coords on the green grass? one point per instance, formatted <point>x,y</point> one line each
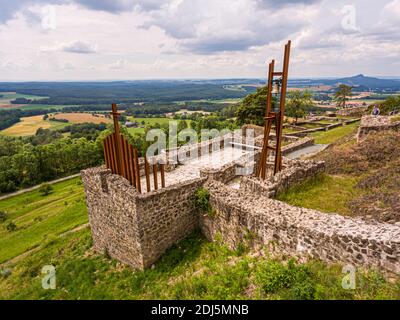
<point>324,192</point>
<point>395,119</point>
<point>42,106</point>
<point>41,217</point>
<point>148,121</point>
<point>8,96</point>
<point>330,136</point>
<point>217,101</point>
<point>192,269</point>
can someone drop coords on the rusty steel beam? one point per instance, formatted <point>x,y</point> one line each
<point>155,176</point>
<point>137,170</point>
<point>162,170</point>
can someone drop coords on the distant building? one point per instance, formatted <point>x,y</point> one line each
<point>130,124</point>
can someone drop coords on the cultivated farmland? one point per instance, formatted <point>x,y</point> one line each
<point>80,117</point>
<point>29,125</point>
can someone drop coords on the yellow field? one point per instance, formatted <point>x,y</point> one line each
<point>28,126</point>
<point>78,117</point>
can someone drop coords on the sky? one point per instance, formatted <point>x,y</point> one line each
<point>168,39</point>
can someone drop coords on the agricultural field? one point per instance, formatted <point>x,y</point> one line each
<point>7,97</point>
<point>50,107</point>
<point>148,121</point>
<point>51,230</point>
<point>81,117</point>
<point>216,101</point>
<point>29,125</point>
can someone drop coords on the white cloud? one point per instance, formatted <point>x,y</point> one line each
<point>78,47</point>
<point>185,39</point>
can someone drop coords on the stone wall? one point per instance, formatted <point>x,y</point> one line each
<point>111,204</point>
<point>374,124</point>
<point>134,228</point>
<point>356,111</point>
<point>299,232</point>
<point>296,145</point>
<point>293,173</point>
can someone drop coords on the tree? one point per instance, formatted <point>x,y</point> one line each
<point>182,125</point>
<point>390,104</point>
<point>342,95</point>
<point>298,104</point>
<point>252,108</point>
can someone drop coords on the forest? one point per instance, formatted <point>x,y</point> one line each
<point>95,93</point>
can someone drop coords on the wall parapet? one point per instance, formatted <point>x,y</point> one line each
<point>300,232</point>
<point>134,228</point>
<point>374,124</point>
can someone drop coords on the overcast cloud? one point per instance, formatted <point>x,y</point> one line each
<point>132,39</point>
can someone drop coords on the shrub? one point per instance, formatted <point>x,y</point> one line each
<point>3,216</point>
<point>45,189</point>
<point>202,200</point>
<point>295,281</point>
<point>11,226</point>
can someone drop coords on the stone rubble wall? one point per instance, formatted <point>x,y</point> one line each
<point>293,173</point>
<point>304,233</point>
<point>299,144</point>
<point>166,216</point>
<point>375,124</point>
<point>134,228</point>
<point>357,111</point>
<point>113,218</point>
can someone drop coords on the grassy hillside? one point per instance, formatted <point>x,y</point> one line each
<point>39,218</point>
<point>362,179</point>
<point>192,269</point>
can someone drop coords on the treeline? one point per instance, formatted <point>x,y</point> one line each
<point>23,164</point>
<point>9,117</point>
<point>89,131</point>
<point>94,93</point>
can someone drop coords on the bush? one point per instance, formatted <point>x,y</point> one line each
<point>202,200</point>
<point>11,226</point>
<point>3,216</point>
<point>291,280</point>
<point>45,189</point>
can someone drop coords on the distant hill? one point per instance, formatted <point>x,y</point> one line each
<point>367,82</point>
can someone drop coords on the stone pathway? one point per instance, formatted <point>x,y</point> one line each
<point>191,169</point>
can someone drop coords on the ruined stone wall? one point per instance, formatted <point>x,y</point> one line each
<point>376,124</point>
<point>111,204</point>
<point>166,217</point>
<point>134,228</point>
<point>284,229</point>
<point>293,173</point>
<point>356,111</point>
<point>298,144</point>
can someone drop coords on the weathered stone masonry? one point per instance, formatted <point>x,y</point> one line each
<point>136,229</point>
<point>300,232</point>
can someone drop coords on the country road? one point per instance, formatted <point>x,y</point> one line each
<point>9,195</point>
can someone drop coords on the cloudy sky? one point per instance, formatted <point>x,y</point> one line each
<point>133,39</point>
